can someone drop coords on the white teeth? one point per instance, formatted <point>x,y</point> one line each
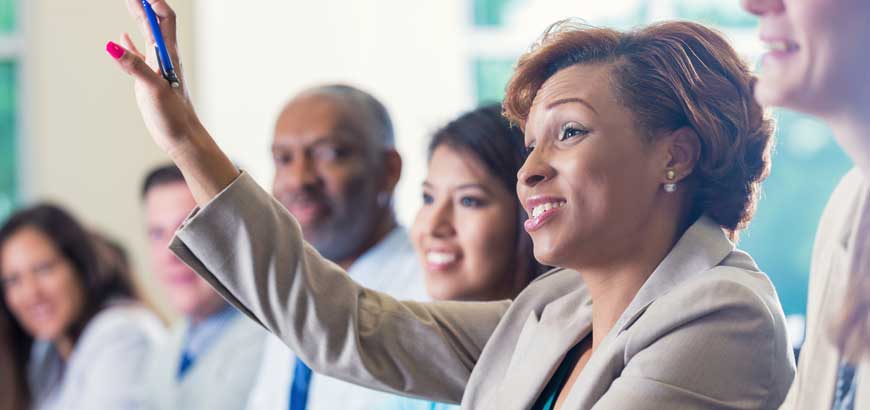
<point>440,258</point>
<point>781,45</point>
<point>540,209</point>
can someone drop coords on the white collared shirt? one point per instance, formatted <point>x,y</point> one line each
<point>391,267</point>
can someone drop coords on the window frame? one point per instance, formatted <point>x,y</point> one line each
<point>12,50</point>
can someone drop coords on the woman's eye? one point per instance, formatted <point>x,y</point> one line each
<point>570,130</point>
<point>45,268</point>
<point>427,199</point>
<point>9,281</point>
<point>470,202</point>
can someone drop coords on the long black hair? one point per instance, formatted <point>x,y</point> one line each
<point>488,136</point>
<point>100,281</point>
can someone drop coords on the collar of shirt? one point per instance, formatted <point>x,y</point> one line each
<point>202,335</point>
<point>390,259</point>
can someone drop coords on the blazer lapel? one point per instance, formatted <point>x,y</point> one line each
<point>703,246</point>
<point>541,346</point>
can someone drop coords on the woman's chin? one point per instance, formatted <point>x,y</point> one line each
<point>548,256</point>
<point>771,92</point>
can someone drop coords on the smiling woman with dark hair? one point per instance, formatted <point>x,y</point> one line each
<point>72,324</point>
<point>469,232</point>
<point>646,153</point>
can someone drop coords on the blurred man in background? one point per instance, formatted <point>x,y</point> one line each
<point>213,354</point>
<point>335,170</point>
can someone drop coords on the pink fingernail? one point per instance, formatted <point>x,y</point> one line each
<point>114,50</point>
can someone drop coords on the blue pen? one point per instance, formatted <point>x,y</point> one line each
<point>162,53</point>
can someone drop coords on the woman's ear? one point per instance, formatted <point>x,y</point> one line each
<point>683,148</point>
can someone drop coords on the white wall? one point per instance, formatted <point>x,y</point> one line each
<point>84,145</point>
<point>254,55</point>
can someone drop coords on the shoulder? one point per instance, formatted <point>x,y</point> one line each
<point>127,318</point>
<point>726,323</point>
<point>840,207</point>
<point>116,343</point>
<point>726,304</point>
<point>723,290</point>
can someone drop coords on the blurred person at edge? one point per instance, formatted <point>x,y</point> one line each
<point>335,171</point>
<point>76,332</point>
<point>818,65</point>
<point>469,233</point>
<point>213,353</point>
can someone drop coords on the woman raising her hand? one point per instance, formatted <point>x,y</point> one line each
<point>646,153</point>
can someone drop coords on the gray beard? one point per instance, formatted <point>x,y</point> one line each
<point>343,237</point>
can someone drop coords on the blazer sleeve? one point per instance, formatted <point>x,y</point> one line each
<point>696,341</point>
<point>250,249</point>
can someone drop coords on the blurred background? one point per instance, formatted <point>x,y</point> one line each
<point>70,132</point>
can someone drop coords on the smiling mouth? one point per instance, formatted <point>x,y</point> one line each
<point>538,210</point>
<point>781,46</point>
<point>542,213</point>
<point>41,312</point>
<point>441,260</point>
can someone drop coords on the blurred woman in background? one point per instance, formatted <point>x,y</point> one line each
<point>818,65</point>
<point>469,231</point>
<point>72,322</point>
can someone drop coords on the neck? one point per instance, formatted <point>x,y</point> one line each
<point>614,284</point>
<point>378,234</point>
<point>64,347</point>
<point>205,313</point>
<point>852,130</point>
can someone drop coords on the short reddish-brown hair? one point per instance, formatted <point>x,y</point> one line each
<point>670,75</point>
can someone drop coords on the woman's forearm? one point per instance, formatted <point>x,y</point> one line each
<point>206,168</point>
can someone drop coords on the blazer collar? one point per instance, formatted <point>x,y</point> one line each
<point>703,246</point>
<point>543,343</point>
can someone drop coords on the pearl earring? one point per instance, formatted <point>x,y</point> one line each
<point>670,186</point>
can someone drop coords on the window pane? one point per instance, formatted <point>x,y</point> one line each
<point>8,149</point>
<point>807,164</point>
<point>715,12</point>
<point>487,13</point>
<point>491,77</point>
<point>7,15</point>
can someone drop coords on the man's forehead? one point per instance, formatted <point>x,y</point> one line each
<point>311,119</point>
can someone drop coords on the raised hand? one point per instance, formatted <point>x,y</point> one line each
<point>167,111</point>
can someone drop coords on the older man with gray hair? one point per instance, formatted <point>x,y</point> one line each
<point>335,171</point>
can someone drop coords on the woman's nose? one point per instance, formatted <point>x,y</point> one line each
<point>535,170</point>
<point>440,223</point>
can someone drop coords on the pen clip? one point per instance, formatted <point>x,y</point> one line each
<point>160,63</point>
<point>167,75</point>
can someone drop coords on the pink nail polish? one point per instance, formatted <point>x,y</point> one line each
<point>114,50</point>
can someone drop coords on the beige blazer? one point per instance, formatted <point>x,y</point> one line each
<point>836,245</point>
<point>705,332</point>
